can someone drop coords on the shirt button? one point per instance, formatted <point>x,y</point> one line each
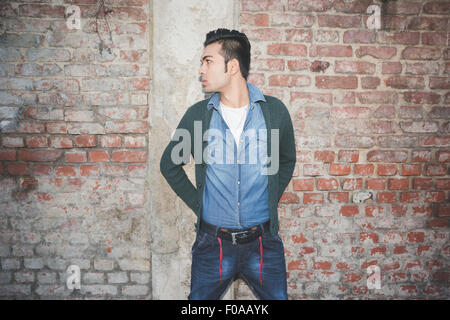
<point>239,182</point>
<point>239,203</point>
<point>238,161</point>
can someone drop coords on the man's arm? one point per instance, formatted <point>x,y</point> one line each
<point>287,152</point>
<point>174,172</point>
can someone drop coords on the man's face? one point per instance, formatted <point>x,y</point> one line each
<point>212,69</point>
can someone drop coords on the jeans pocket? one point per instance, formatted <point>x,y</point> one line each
<point>202,241</point>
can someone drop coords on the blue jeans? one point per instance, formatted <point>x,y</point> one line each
<point>211,275</point>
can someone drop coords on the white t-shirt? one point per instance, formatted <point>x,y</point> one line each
<point>235,119</point>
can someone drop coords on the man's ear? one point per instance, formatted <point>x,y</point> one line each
<point>233,66</point>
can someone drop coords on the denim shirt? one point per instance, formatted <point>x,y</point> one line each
<point>235,190</point>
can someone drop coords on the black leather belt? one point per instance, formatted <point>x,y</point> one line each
<point>237,236</point>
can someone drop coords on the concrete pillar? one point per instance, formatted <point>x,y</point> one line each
<point>179,29</point>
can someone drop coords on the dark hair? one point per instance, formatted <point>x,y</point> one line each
<point>235,45</point>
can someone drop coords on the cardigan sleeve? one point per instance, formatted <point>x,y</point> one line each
<point>173,171</point>
<point>287,151</point>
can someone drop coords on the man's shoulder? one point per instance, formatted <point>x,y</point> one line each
<point>198,108</point>
<point>274,102</point>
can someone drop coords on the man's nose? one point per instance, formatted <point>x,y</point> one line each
<point>201,70</point>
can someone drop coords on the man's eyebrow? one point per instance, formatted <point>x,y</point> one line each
<point>205,57</point>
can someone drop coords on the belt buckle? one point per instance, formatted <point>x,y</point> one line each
<point>233,236</point>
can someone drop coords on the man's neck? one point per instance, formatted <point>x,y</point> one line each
<point>236,95</point>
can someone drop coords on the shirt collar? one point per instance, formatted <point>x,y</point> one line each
<point>254,95</point>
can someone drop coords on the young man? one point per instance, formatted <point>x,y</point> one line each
<point>244,153</point>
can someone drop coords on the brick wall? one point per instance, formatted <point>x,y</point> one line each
<point>73,149</point>
<point>371,113</point>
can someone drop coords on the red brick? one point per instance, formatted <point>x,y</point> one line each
<point>323,50</point>
<point>306,250</point>
<point>18,169</point>
<point>387,156</point>
<point>437,7</point>
<point>297,265</point>
<point>61,142</point>
<point>338,21</point>
<point>135,141</point>
<point>421,97</point>
<point>387,169</point>
<point>365,236</point>
<point>85,141</point>
<point>420,53</point>
<point>338,197</point>
<point>437,141</point>
<point>296,35</point>
<point>398,184</point>
<point>336,82</point>
<point>259,19</point>
<point>98,156</point>
<point>437,223</point>
<point>268,64</point>
<point>376,184</point>
<point>364,169</point>
<point>422,183</point>
<point>303,184</point>
<point>359,36</point>
<point>349,211</point>
<point>299,239</point>
<point>40,155</point>
<point>41,11</point>
<point>56,127</point>
<point>428,23</point>
<point>76,156</point>
<point>405,82</point>
<point>289,197</point>
<point>65,171</point>
<point>312,198</point>
<point>400,250</point>
<point>443,156</point>
<point>129,156</point>
<point>403,37</point>
<point>297,65</point>
<point>8,155</point>
<point>339,169</point>
<point>380,52</point>
<point>436,169</point>
<point>440,83</point>
<point>89,170</point>
<point>139,84</point>
<point>36,142</point>
<point>42,169</point>
<point>327,184</point>
<point>444,211</point>
<point>386,197</point>
<point>111,141</point>
<point>321,265</point>
<point>285,80</point>
<point>324,156</point>
<point>311,97</point>
<point>287,49</point>
<point>410,197</point>
<point>415,237</point>
<point>263,34</point>
<point>391,68</point>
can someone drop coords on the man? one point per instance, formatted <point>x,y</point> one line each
<point>244,152</point>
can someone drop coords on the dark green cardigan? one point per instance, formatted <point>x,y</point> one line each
<point>276,116</point>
